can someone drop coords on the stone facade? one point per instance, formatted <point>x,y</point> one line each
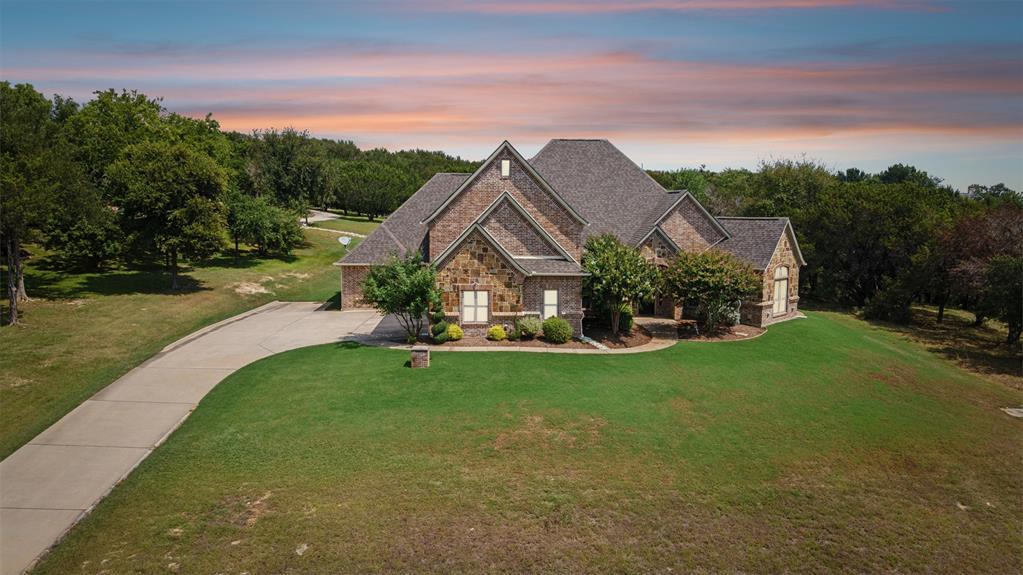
<point>488,186</point>
<point>351,286</point>
<point>659,252</point>
<point>690,228</point>
<point>477,265</point>
<point>761,313</point>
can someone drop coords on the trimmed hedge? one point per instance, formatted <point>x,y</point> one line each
<point>455,332</point>
<point>557,330</point>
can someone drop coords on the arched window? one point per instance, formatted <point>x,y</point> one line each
<point>781,290</point>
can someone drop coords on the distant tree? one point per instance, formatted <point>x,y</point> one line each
<point>901,173</point>
<point>853,175</point>
<point>257,222</point>
<point>714,280</point>
<point>404,287</point>
<point>994,195</point>
<point>1002,297</point>
<point>171,201</point>
<point>619,276</point>
<point>368,188</point>
<point>695,181</point>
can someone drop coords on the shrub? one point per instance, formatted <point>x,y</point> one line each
<point>496,333</point>
<point>403,287</point>
<point>439,327</point>
<point>529,326</point>
<point>437,316</point>
<point>514,334</point>
<point>618,275</point>
<point>715,279</point>
<point>440,337</point>
<point>557,330</point>
<point>455,332</point>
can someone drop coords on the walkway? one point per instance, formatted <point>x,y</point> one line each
<point>54,480</point>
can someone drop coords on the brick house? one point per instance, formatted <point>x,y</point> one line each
<point>508,239</point>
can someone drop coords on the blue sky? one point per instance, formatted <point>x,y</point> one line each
<point>725,83</point>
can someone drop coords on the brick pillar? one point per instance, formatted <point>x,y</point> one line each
<point>420,356</point>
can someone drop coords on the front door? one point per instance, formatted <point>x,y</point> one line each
<point>781,296</point>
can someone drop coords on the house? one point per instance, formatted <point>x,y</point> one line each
<point>508,239</point>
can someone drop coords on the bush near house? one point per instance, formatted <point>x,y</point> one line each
<point>455,332</point>
<point>497,333</point>
<point>557,330</point>
<point>714,279</point>
<point>529,326</point>
<point>619,276</point>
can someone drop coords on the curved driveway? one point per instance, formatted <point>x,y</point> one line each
<point>54,480</point>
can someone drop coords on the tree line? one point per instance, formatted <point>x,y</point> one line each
<point>119,180</point>
<point>883,241</point>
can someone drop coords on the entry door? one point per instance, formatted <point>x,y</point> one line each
<point>781,294</point>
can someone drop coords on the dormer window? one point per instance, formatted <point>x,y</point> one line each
<point>505,168</point>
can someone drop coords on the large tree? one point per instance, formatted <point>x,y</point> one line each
<point>28,178</point>
<point>171,201</point>
<point>619,276</point>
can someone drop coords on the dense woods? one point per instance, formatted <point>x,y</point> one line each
<point>118,180</point>
<point>883,241</point>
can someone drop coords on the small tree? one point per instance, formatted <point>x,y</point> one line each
<point>618,275</point>
<point>257,222</point>
<point>714,278</point>
<point>404,287</point>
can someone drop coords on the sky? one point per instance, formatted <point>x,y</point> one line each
<point>673,83</point>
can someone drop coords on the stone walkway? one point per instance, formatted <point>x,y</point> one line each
<point>54,480</point>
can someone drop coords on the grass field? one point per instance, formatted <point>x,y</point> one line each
<point>354,224</point>
<point>82,331</point>
<point>826,445</point>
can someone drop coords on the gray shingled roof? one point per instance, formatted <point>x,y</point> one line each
<point>544,266</point>
<point>402,232</point>
<point>753,239</point>
<point>602,184</point>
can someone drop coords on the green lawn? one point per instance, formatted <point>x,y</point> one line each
<point>83,331</point>
<point>826,445</point>
<point>354,224</point>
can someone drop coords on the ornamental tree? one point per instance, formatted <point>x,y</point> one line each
<point>404,287</point>
<point>619,275</point>
<point>714,279</point>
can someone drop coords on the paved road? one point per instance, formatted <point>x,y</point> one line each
<point>49,484</point>
<point>320,216</point>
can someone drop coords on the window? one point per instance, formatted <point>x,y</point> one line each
<point>475,306</point>
<point>781,290</point>
<point>550,303</point>
<point>505,168</point>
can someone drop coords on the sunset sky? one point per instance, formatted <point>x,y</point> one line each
<point>672,82</point>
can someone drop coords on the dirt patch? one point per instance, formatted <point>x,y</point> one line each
<point>298,275</point>
<point>248,288</point>
<point>245,511</point>
<point>538,432</point>
<point>687,331</point>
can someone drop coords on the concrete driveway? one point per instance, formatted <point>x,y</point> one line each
<point>54,480</point>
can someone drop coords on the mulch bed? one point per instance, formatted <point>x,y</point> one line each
<point>479,341</point>
<point>602,334</point>
<point>687,332</point>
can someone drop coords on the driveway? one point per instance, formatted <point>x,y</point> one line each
<point>54,480</point>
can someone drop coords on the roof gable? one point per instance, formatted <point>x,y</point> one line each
<point>755,240</point>
<point>507,199</point>
<point>506,147</point>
